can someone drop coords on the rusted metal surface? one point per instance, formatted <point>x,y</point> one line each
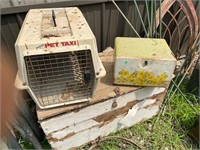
<point>182,28</point>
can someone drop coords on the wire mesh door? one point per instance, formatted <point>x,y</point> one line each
<point>61,77</point>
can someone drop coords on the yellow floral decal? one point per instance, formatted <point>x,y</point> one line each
<point>141,78</point>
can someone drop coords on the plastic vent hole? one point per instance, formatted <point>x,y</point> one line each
<point>144,63</point>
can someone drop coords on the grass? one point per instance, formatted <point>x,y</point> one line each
<point>27,145</point>
<point>169,132</point>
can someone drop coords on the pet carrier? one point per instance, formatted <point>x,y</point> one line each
<point>57,57</point>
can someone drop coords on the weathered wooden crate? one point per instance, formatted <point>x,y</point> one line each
<point>112,108</point>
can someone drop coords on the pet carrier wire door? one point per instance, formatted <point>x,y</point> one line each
<point>57,57</point>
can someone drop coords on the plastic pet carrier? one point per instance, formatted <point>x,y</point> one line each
<point>57,57</point>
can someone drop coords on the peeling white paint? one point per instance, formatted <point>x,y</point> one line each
<point>130,117</point>
<point>68,119</point>
<point>92,133</point>
<point>77,128</point>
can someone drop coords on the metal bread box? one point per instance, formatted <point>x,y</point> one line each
<point>58,62</point>
<point>143,62</point>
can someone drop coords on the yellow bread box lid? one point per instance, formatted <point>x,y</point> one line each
<point>149,48</point>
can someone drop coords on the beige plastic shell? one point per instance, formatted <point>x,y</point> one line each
<point>39,36</point>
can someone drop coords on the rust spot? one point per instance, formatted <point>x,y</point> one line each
<point>109,116</point>
<point>154,54</point>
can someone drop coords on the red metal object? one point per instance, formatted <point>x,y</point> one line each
<point>182,28</point>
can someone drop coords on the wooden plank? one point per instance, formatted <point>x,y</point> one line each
<point>91,134</point>
<point>105,90</point>
<point>58,123</point>
<point>77,128</point>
